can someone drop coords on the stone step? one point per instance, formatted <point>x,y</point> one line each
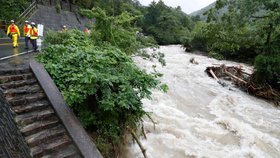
<point>16,84</point>
<point>39,126</point>
<point>16,71</point>
<point>43,131</point>
<point>23,90</point>
<point>25,99</point>
<point>68,152</point>
<point>52,147</point>
<point>45,136</point>
<point>6,79</point>
<point>39,105</point>
<point>28,118</point>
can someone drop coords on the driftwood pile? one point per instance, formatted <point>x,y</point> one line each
<point>244,80</point>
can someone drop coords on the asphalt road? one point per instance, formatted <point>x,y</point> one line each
<point>14,57</point>
<point>6,48</point>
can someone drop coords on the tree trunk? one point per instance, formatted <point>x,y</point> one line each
<point>268,38</point>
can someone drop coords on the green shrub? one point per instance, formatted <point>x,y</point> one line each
<point>198,40</point>
<point>117,31</point>
<point>97,76</point>
<point>12,9</point>
<point>57,6</point>
<point>100,83</point>
<point>216,55</point>
<point>268,68</point>
<point>2,34</point>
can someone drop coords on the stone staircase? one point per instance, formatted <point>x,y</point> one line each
<point>43,131</point>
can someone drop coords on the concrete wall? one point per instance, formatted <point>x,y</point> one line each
<point>12,143</point>
<point>65,5</point>
<point>48,16</point>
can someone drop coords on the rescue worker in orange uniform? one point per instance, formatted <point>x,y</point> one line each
<point>13,33</point>
<point>34,36</point>
<point>26,32</point>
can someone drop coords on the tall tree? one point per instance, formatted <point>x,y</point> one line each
<point>168,25</point>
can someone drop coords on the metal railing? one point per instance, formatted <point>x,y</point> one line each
<point>26,14</point>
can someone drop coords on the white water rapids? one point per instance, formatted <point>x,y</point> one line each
<point>198,117</point>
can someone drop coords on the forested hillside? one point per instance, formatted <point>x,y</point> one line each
<point>166,24</point>
<point>249,31</point>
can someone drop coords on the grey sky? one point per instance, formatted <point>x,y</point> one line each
<point>188,6</point>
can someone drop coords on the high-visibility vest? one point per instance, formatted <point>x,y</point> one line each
<point>86,30</point>
<point>33,33</point>
<point>26,30</point>
<point>13,29</point>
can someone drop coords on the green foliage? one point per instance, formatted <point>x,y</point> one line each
<point>118,31</point>
<point>112,7</point>
<point>167,25</point>
<point>97,77</point>
<point>243,30</point>
<point>101,83</point>
<point>215,55</point>
<point>2,34</point>
<point>197,39</point>
<point>73,37</point>
<point>11,9</point>
<point>257,24</point>
<point>57,6</point>
<point>268,69</point>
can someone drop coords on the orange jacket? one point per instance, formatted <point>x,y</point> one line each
<point>13,29</point>
<point>26,30</point>
<point>33,33</point>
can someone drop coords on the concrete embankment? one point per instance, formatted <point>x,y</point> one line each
<point>52,20</point>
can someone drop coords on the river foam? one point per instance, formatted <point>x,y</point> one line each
<point>198,117</point>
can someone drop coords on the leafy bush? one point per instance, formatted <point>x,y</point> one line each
<point>197,40</point>
<point>167,25</point>
<point>57,6</point>
<point>118,31</point>
<point>2,34</point>
<point>216,55</point>
<point>11,9</point>
<point>240,29</point>
<point>101,83</point>
<point>268,69</point>
<point>98,78</point>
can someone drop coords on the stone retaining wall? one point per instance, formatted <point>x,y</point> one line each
<point>12,143</point>
<point>48,16</point>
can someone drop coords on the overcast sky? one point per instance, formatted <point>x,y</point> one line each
<point>188,6</point>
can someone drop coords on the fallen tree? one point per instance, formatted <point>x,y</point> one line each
<point>244,80</point>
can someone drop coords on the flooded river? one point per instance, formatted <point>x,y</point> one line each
<point>198,117</point>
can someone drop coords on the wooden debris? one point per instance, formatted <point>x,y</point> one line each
<point>231,75</point>
<point>138,141</point>
<point>213,75</point>
<point>243,80</point>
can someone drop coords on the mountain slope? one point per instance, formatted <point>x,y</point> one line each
<point>203,10</point>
